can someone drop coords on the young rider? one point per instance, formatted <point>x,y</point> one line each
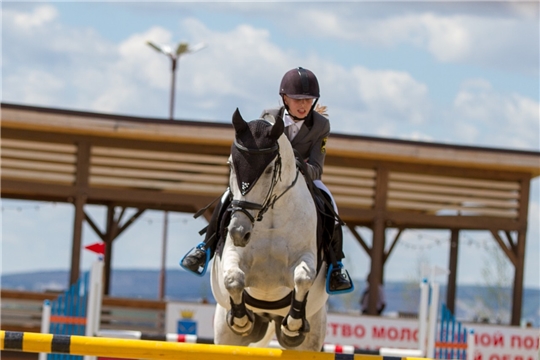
<point>308,131</point>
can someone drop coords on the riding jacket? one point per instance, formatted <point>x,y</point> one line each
<point>310,141</point>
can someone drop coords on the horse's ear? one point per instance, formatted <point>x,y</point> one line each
<point>278,128</point>
<point>238,122</point>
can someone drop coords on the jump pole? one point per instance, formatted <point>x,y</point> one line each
<point>155,350</point>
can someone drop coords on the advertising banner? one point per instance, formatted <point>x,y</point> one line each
<point>492,342</point>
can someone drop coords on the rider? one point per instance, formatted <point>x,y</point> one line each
<point>308,131</point>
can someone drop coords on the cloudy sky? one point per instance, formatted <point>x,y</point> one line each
<point>457,73</point>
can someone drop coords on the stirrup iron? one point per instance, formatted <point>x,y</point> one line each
<point>201,270</point>
<point>329,274</point>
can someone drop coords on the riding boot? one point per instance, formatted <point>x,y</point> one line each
<point>338,279</point>
<point>197,259</point>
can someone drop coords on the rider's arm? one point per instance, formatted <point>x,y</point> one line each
<point>317,152</point>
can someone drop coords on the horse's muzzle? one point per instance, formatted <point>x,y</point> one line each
<point>240,230</point>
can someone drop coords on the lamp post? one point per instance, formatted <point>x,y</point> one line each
<point>181,49</point>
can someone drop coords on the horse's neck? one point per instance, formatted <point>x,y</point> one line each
<point>294,207</point>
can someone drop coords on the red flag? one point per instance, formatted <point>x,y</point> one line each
<point>98,248</point>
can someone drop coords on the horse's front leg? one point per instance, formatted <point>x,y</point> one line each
<point>295,323</point>
<point>239,318</point>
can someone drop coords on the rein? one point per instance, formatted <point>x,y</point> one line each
<point>270,199</point>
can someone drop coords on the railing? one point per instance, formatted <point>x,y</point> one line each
<point>22,310</point>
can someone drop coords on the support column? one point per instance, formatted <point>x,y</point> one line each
<point>81,184</point>
<point>109,238</point>
<point>379,239</point>
<point>452,276</point>
<point>517,297</point>
<point>377,261</point>
<point>79,202</point>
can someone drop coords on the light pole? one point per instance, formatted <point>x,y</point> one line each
<point>181,49</point>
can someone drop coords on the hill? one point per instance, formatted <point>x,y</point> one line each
<point>473,303</point>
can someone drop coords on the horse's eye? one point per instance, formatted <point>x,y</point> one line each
<point>269,170</point>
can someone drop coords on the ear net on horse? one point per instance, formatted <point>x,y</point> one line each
<point>249,155</point>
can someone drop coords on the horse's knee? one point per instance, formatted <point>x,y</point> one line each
<point>304,276</point>
<point>234,281</point>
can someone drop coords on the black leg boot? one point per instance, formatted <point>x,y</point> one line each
<point>338,279</point>
<point>197,259</point>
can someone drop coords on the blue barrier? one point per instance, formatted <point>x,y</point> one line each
<point>75,312</point>
<point>452,337</point>
<point>68,314</point>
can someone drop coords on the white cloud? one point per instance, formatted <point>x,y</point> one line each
<point>509,42</point>
<point>34,86</point>
<point>40,16</point>
<point>505,120</point>
<point>448,39</point>
<point>394,93</point>
<point>385,103</point>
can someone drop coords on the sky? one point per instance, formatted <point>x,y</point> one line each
<point>463,73</point>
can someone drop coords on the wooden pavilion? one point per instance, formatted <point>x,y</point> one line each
<point>123,162</point>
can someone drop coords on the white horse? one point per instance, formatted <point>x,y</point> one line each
<point>269,269</point>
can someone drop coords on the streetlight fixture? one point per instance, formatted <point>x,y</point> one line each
<point>181,49</point>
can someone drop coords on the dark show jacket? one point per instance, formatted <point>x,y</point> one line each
<point>310,141</point>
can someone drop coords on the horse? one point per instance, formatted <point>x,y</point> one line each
<point>267,270</point>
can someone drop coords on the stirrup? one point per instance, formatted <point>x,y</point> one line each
<point>329,273</point>
<point>202,270</point>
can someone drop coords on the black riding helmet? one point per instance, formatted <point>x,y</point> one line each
<point>300,83</point>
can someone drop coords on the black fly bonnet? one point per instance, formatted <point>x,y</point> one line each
<point>255,147</point>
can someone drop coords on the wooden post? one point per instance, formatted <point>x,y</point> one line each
<point>452,276</point>
<point>81,185</point>
<point>109,238</point>
<point>517,297</point>
<point>79,202</point>
<point>378,245</point>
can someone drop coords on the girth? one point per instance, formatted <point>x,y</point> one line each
<point>268,305</point>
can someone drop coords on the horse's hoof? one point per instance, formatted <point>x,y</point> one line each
<point>293,338</point>
<point>289,333</point>
<point>291,341</point>
<point>244,330</point>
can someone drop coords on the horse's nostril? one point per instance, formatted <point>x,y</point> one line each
<point>247,236</point>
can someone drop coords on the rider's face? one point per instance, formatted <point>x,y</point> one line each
<point>298,107</point>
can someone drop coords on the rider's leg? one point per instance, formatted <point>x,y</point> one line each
<point>197,258</point>
<point>338,278</point>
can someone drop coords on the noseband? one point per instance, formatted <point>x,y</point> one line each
<point>270,199</point>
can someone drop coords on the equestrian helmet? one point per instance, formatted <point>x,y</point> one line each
<point>299,83</point>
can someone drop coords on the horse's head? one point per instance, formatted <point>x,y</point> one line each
<point>255,170</point>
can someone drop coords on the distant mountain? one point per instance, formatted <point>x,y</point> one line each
<point>472,302</point>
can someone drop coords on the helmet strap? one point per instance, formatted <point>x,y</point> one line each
<point>297,118</point>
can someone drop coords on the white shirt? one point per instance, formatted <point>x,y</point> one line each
<point>292,127</point>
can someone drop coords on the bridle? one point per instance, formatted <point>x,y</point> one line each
<point>270,198</point>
